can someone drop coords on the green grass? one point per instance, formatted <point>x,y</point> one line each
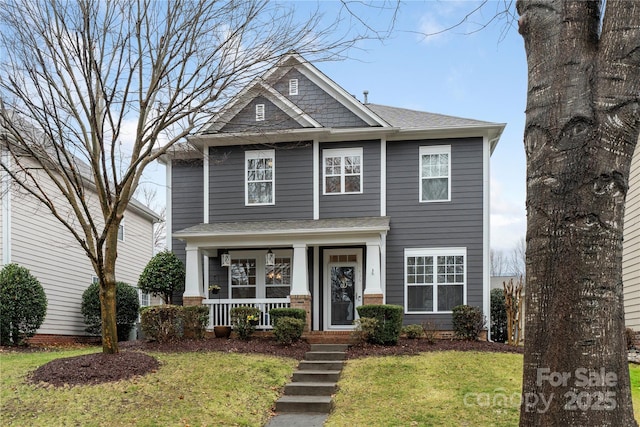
<point>230,389</point>
<point>197,389</point>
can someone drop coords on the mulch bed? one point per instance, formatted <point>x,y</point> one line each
<point>133,361</point>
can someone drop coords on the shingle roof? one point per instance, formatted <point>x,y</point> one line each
<point>287,226</point>
<point>407,119</point>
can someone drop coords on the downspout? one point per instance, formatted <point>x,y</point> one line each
<point>5,202</point>
<point>486,245</point>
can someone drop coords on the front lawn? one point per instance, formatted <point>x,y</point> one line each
<point>447,388</point>
<point>196,389</point>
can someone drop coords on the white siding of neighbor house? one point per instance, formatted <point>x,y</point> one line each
<point>42,244</point>
<point>631,247</point>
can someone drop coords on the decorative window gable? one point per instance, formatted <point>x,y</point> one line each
<point>435,173</point>
<point>342,170</point>
<point>260,177</point>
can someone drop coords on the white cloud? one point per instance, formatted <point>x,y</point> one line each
<point>508,217</point>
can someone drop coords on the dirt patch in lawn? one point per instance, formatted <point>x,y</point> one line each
<point>133,361</point>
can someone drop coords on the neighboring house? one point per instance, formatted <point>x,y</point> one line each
<point>298,194</point>
<point>631,247</point>
<point>32,237</point>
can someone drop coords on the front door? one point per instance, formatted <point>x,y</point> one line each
<point>344,291</point>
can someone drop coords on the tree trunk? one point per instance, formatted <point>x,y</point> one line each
<point>580,133</point>
<point>108,293</point>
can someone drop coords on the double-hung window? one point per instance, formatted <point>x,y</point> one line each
<point>250,277</point>
<point>278,278</point>
<point>243,277</point>
<point>435,279</point>
<point>260,177</point>
<point>435,173</point>
<point>342,170</point>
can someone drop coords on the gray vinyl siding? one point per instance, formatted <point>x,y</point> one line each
<point>631,246</point>
<point>293,184</point>
<point>275,118</point>
<point>187,202</point>
<point>317,103</point>
<point>350,205</point>
<point>458,223</point>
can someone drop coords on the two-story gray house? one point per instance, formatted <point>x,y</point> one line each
<point>297,194</point>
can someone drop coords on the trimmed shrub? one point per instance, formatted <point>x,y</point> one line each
<point>498,316</point>
<point>278,313</point>
<point>161,323</point>
<point>430,330</point>
<point>195,319</point>
<point>364,330</point>
<point>23,304</point>
<point>413,331</point>
<point>163,275</point>
<point>244,320</point>
<point>468,322</point>
<point>127,307</point>
<point>288,330</point>
<point>389,325</point>
<point>630,337</point>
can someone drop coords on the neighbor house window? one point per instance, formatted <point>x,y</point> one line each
<point>121,231</point>
<point>435,279</point>
<point>145,299</point>
<point>243,277</point>
<point>342,171</point>
<point>293,86</point>
<point>260,177</point>
<point>278,278</point>
<point>435,173</point>
<point>259,112</point>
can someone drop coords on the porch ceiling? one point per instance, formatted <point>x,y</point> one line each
<point>283,231</point>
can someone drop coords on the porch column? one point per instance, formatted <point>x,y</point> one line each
<point>193,294</point>
<point>373,292</point>
<point>300,296</point>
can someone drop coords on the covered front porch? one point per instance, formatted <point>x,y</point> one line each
<point>326,267</point>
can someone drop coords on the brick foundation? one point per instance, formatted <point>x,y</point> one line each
<point>43,339</point>
<point>191,301</point>
<point>373,299</point>
<point>303,302</point>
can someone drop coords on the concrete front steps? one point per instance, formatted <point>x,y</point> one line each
<point>314,381</point>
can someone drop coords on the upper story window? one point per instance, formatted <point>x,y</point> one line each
<point>260,177</point>
<point>259,112</point>
<point>435,173</point>
<point>121,231</point>
<point>293,86</point>
<point>435,279</point>
<point>342,170</point>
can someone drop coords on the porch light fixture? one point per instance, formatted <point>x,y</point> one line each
<point>225,259</point>
<point>270,259</point>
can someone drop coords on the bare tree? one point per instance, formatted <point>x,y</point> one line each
<point>498,262</point>
<point>80,71</point>
<point>149,196</point>
<point>517,258</point>
<point>582,125</point>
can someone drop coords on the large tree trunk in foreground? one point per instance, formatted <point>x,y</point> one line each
<point>581,130</point>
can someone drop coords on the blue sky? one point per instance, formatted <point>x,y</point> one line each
<point>482,75</point>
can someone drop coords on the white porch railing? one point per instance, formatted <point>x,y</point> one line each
<point>219,309</point>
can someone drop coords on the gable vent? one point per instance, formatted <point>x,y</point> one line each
<point>293,86</point>
<point>259,112</point>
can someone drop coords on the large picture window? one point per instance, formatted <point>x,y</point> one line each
<point>435,279</point>
<point>342,170</point>
<point>260,177</point>
<point>435,173</point>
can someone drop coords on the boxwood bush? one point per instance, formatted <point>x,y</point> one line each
<point>498,316</point>
<point>173,322</point>
<point>389,317</point>
<point>288,330</point>
<point>279,313</point>
<point>127,307</point>
<point>468,322</point>
<point>243,319</point>
<point>23,304</point>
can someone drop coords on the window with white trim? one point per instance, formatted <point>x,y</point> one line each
<point>293,86</point>
<point>278,278</point>
<point>435,173</point>
<point>260,112</point>
<point>260,177</point>
<point>342,170</point>
<point>121,231</point>
<point>250,277</point>
<point>145,299</point>
<point>435,279</point>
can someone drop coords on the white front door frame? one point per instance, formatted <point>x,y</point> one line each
<point>326,283</point>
